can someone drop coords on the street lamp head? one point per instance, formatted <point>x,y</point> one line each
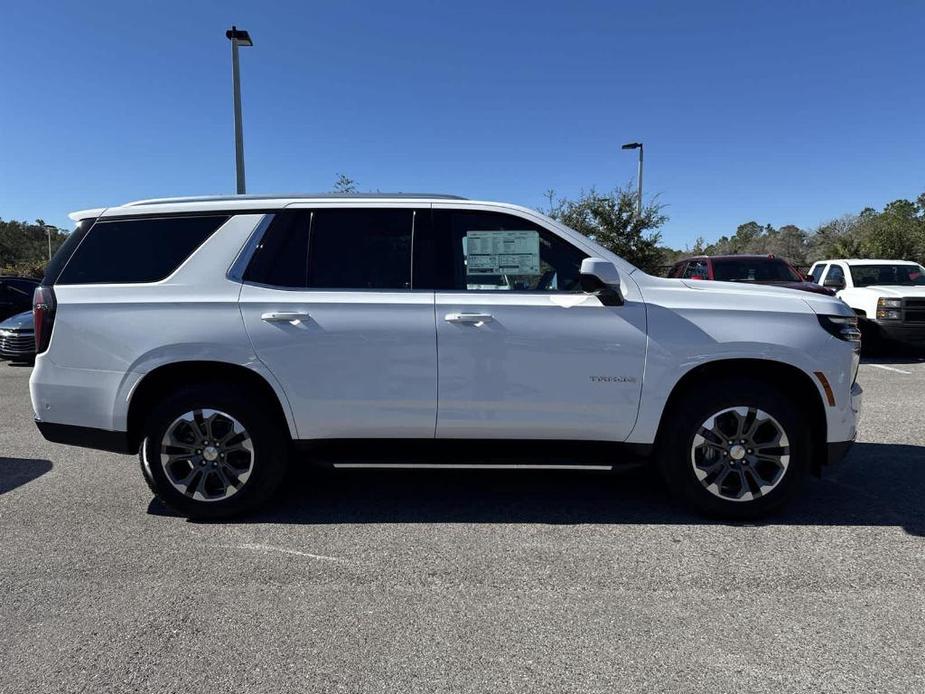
<point>243,38</point>
<point>632,145</point>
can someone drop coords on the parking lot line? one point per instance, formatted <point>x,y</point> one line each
<point>890,368</point>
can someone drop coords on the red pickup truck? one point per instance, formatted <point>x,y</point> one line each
<point>755,269</point>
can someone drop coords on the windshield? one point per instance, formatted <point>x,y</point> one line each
<point>901,275</point>
<point>754,270</point>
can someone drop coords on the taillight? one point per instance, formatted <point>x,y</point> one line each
<point>43,316</point>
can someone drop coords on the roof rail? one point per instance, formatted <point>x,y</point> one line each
<point>335,196</point>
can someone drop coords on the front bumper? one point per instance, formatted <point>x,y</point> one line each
<point>837,450</point>
<point>15,344</point>
<point>907,333</point>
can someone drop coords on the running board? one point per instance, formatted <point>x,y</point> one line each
<point>470,466</point>
<point>472,454</point>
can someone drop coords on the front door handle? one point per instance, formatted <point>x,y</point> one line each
<point>284,316</point>
<point>468,318</point>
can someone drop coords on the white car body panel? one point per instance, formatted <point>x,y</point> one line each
<point>107,336</point>
<point>690,328</point>
<point>362,364</point>
<point>543,366</point>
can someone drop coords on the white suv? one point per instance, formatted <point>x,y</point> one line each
<point>887,295</point>
<point>221,337</point>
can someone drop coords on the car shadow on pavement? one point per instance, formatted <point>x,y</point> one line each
<point>878,484</point>
<point>15,472</point>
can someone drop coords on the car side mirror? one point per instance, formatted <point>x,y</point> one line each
<point>835,284</point>
<point>602,279</point>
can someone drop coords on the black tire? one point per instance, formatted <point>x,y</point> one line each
<point>268,438</point>
<point>872,341</point>
<point>676,440</point>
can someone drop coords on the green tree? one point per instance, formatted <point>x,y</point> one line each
<point>611,220</point>
<point>839,238</point>
<point>345,184</point>
<point>24,246</point>
<point>896,233</point>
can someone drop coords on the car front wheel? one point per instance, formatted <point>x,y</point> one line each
<point>738,449</point>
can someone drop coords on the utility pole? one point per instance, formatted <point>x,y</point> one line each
<point>637,145</point>
<point>238,37</point>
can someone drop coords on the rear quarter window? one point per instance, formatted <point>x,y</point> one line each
<point>134,251</point>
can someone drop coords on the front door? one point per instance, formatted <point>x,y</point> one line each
<point>522,351</point>
<point>328,305</point>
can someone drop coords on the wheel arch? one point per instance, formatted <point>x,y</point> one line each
<point>162,380</point>
<point>793,380</point>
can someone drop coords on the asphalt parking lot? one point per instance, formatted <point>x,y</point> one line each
<point>451,581</point>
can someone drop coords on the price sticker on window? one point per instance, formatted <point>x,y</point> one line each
<point>502,253</point>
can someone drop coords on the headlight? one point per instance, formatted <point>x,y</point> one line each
<point>889,309</point>
<point>843,327</point>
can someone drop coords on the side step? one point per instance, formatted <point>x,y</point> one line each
<point>465,454</point>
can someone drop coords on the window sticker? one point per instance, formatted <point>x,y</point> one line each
<point>502,253</point>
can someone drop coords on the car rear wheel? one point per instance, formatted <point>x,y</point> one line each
<point>211,452</point>
<point>738,450</point>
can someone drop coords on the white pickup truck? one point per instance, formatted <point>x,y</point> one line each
<point>887,295</point>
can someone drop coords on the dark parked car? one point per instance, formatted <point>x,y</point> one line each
<point>16,295</point>
<point>756,269</point>
<point>17,338</point>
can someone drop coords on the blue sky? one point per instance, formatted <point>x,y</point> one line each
<point>782,112</point>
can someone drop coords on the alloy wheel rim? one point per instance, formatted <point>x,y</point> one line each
<point>207,455</point>
<point>740,453</point>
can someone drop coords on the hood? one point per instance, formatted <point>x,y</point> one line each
<point>897,290</point>
<point>802,286</point>
<point>769,297</point>
<point>21,321</point>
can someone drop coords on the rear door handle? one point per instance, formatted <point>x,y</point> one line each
<point>284,316</point>
<point>468,318</point>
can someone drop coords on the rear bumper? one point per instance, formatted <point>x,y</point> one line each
<point>86,437</point>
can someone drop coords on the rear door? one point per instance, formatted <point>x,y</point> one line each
<point>329,306</point>
<point>522,351</point>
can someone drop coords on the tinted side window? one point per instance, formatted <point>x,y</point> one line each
<point>676,270</point>
<point>835,273</point>
<point>696,268</point>
<point>492,251</point>
<point>137,250</point>
<point>63,254</point>
<point>817,273</point>
<point>360,249</point>
<point>21,289</point>
<point>281,258</point>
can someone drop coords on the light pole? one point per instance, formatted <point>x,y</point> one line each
<point>238,37</point>
<point>637,145</point>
